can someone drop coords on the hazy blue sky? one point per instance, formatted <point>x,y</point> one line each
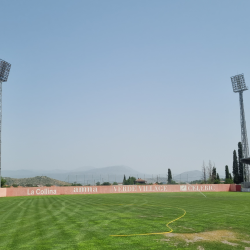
<point>145,84</point>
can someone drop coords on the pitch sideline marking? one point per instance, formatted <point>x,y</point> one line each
<point>171,230</point>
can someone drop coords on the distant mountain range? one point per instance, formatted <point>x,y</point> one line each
<point>88,175</point>
<point>188,176</point>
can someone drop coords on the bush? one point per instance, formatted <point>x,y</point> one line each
<point>217,181</point>
<point>115,183</point>
<point>106,183</point>
<point>14,185</point>
<point>229,181</point>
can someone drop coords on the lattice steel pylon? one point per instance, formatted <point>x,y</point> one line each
<point>4,73</point>
<point>238,83</point>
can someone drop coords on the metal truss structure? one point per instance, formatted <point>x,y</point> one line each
<point>4,73</point>
<point>238,83</point>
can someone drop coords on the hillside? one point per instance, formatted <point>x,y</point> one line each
<point>84,175</point>
<point>38,180</point>
<point>188,176</point>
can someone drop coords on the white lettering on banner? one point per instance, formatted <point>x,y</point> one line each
<point>41,191</point>
<point>200,188</point>
<point>30,193</point>
<point>139,188</point>
<point>160,188</point>
<point>125,189</point>
<point>183,187</point>
<point>85,190</point>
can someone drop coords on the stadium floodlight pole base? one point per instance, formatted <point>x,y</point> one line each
<point>244,139</point>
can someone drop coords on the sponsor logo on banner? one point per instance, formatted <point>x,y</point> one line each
<point>138,188</point>
<point>200,188</point>
<point>183,187</point>
<point>39,191</point>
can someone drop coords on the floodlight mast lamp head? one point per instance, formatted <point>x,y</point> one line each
<point>4,73</point>
<point>238,83</point>
<point>4,70</point>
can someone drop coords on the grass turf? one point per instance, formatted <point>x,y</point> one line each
<point>87,221</point>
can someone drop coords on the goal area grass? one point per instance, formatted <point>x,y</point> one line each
<point>126,221</point>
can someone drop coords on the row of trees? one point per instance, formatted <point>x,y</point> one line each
<point>238,166</point>
<point>209,174</point>
<point>130,181</point>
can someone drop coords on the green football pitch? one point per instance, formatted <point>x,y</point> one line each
<point>126,221</point>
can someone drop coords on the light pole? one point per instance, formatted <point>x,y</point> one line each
<point>238,84</point>
<point>4,73</point>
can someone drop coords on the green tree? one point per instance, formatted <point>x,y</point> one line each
<point>241,165</point>
<point>115,183</point>
<point>226,172</point>
<point>235,168</point>
<point>228,179</point>
<point>130,181</point>
<point>169,176</point>
<point>14,185</point>
<point>3,182</point>
<point>213,176</point>
<point>98,183</point>
<point>217,179</point>
<point>124,180</point>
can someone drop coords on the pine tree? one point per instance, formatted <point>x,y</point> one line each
<point>227,172</point>
<point>169,176</point>
<point>217,180</point>
<point>124,180</point>
<point>213,176</point>
<point>217,177</point>
<point>235,168</point>
<point>241,165</point>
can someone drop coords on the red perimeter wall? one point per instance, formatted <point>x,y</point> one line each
<point>20,191</point>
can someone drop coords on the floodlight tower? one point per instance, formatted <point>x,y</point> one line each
<point>238,83</point>
<point>4,73</point>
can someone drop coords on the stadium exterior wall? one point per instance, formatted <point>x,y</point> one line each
<point>34,191</point>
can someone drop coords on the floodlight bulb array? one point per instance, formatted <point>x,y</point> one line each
<point>4,70</point>
<point>238,83</point>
